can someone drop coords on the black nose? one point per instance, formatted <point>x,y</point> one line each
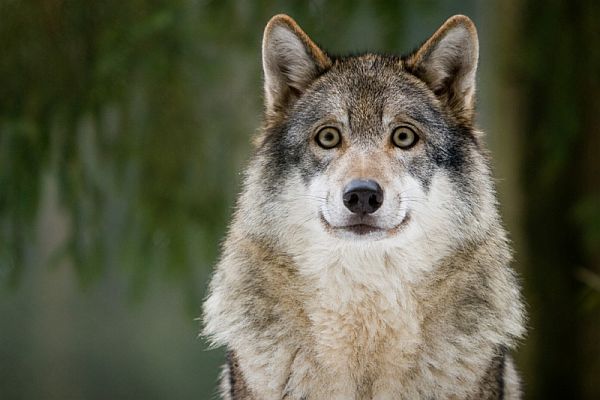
<point>363,196</point>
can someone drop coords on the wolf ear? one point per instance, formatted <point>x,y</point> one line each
<point>447,63</point>
<point>291,61</point>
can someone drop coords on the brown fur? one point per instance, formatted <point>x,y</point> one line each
<point>428,309</point>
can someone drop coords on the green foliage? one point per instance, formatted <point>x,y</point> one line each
<point>111,99</point>
<point>560,175</point>
<point>124,126</point>
<point>141,113</point>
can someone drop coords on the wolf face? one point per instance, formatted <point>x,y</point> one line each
<point>373,148</point>
<point>366,259</point>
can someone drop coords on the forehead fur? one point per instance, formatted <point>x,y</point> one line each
<point>376,72</point>
<point>365,90</point>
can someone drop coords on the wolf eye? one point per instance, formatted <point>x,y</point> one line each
<point>404,137</point>
<point>328,137</point>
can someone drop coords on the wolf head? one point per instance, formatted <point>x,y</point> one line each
<point>370,149</point>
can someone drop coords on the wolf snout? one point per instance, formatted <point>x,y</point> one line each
<point>363,196</point>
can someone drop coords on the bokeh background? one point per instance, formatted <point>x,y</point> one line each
<point>124,126</point>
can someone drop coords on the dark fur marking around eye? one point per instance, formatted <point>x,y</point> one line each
<point>284,154</point>
<point>279,155</point>
<point>421,169</point>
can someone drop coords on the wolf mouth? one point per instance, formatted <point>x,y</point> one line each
<point>363,229</point>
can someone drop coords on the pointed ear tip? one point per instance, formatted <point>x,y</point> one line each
<point>280,23</point>
<point>461,18</point>
<point>276,20</point>
<point>280,19</point>
<point>464,21</point>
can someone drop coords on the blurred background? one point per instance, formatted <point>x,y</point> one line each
<point>124,126</point>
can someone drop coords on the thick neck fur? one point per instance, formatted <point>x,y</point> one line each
<point>387,319</point>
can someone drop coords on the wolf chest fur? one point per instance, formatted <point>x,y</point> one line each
<point>366,258</point>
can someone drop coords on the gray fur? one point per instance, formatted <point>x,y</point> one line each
<point>424,306</point>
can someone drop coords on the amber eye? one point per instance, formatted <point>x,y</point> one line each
<point>328,137</point>
<point>404,137</point>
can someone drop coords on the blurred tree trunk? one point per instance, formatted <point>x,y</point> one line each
<point>557,56</point>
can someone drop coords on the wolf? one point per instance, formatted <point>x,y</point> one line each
<point>366,258</point>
